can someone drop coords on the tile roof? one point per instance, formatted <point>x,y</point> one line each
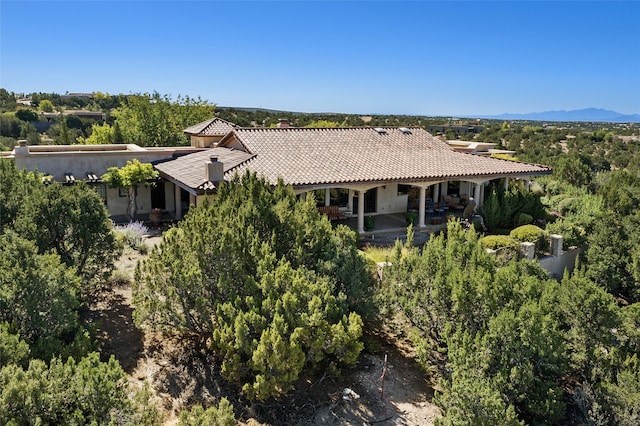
<point>213,127</point>
<point>190,169</point>
<point>306,156</point>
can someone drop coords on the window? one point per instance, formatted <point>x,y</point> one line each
<point>101,189</point>
<point>403,189</point>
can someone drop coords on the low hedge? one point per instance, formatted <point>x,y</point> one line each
<point>495,242</point>
<point>531,234</point>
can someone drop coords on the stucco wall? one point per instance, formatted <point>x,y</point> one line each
<point>205,141</point>
<point>117,205</point>
<point>79,163</point>
<point>389,201</point>
<point>556,265</point>
<point>169,195</point>
<point>79,160</point>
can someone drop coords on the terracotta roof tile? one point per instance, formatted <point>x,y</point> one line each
<point>303,156</point>
<point>190,169</point>
<point>213,127</point>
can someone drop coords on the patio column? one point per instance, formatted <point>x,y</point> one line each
<point>527,184</point>
<point>350,201</point>
<point>481,202</point>
<point>327,197</point>
<point>423,196</point>
<point>436,193</point>
<point>192,199</point>
<point>506,183</point>
<point>361,212</point>
<point>476,194</point>
<point>178,201</point>
<point>444,188</point>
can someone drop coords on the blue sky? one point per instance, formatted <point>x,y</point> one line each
<point>416,57</point>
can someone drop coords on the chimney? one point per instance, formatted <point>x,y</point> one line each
<point>214,169</point>
<point>283,123</point>
<point>22,148</point>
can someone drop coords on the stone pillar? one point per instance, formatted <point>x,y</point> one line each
<point>506,183</point>
<point>556,244</point>
<point>527,184</point>
<point>444,188</point>
<point>481,201</point>
<point>327,197</point>
<point>192,199</point>
<point>527,250</point>
<point>361,211</point>
<point>350,201</point>
<point>423,200</point>
<point>178,201</point>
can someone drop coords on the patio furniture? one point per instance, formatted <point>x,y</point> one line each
<point>469,217</point>
<point>430,207</point>
<point>442,208</point>
<point>332,212</point>
<point>453,202</point>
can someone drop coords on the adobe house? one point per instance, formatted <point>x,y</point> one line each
<point>70,163</point>
<point>362,170</point>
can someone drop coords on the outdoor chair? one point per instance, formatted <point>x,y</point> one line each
<point>430,208</point>
<point>442,208</point>
<point>469,216</point>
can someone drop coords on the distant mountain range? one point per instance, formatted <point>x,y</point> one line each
<point>588,114</point>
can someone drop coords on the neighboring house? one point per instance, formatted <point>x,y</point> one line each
<point>477,148</point>
<point>363,170</point>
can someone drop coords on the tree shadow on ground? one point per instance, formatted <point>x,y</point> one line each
<point>116,333</point>
<point>193,377</point>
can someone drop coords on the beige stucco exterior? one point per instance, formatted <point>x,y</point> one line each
<point>59,161</point>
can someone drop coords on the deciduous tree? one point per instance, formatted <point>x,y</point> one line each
<point>130,177</point>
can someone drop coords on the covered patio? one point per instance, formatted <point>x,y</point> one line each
<point>391,227</point>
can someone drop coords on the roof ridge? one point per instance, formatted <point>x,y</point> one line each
<point>330,128</point>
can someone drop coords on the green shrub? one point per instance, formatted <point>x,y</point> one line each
<point>572,233</point>
<point>132,234</point>
<point>568,205</point>
<point>369,222</point>
<point>531,234</point>
<point>119,278</point>
<point>523,219</point>
<point>411,217</point>
<point>222,415</point>
<point>143,248</point>
<point>494,242</point>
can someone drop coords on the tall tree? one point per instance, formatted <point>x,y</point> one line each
<point>72,221</point>
<point>156,120</point>
<point>15,187</point>
<point>264,279</point>
<point>38,297</point>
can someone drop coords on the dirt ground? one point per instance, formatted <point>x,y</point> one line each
<point>373,391</point>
